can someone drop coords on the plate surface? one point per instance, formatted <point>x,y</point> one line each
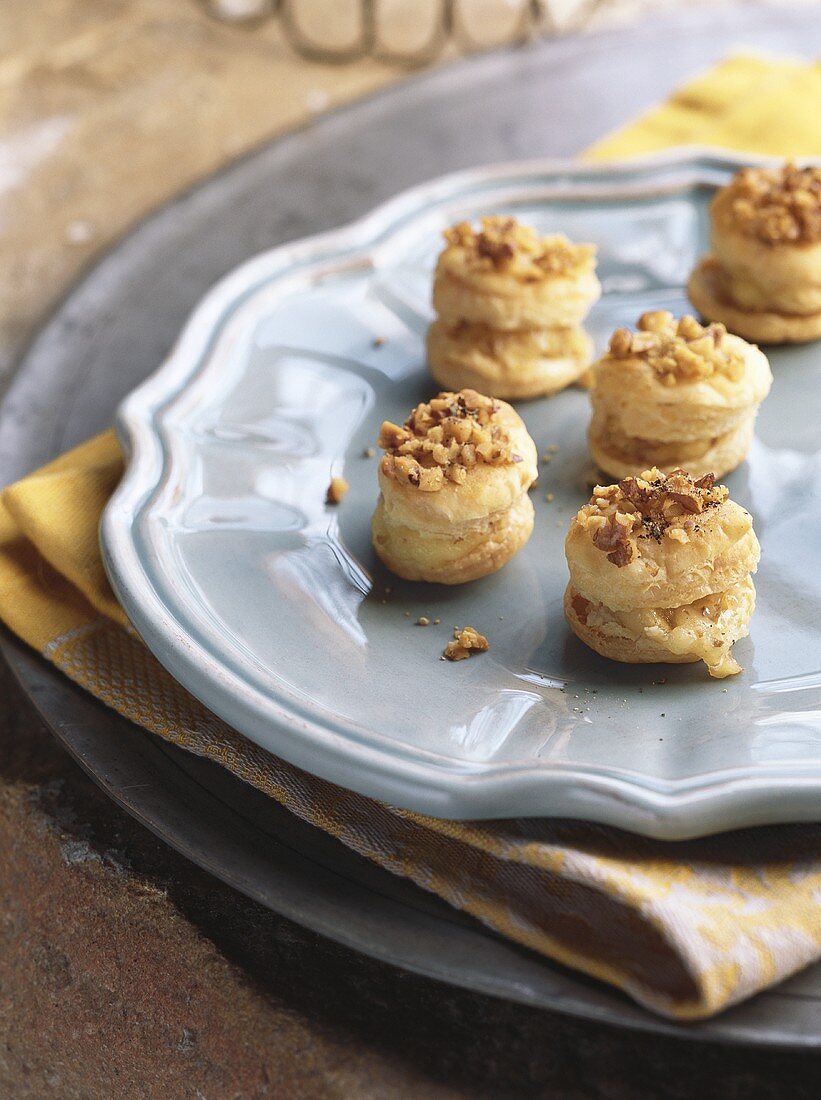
<point>268,605</point>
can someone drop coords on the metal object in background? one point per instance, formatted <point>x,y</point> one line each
<point>449,22</point>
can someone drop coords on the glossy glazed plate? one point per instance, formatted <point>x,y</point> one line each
<point>269,606</point>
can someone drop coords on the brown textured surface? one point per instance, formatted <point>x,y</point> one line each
<point>127,972</point>
<point>108,107</point>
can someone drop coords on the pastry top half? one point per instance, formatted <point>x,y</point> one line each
<point>458,458</point>
<point>766,232</point>
<point>506,275</point>
<point>659,541</point>
<point>676,379</point>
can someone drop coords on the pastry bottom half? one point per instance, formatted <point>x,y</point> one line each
<point>624,456</point>
<point>701,631</point>
<point>707,290</point>
<point>515,365</point>
<point>464,553</point>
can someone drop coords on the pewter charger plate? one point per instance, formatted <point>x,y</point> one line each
<point>269,605</point>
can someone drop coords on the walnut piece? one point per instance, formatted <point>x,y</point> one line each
<point>444,438</point>
<point>336,490</point>
<point>776,205</point>
<point>503,244</point>
<point>652,506</point>
<point>465,642</point>
<point>613,537</point>
<point>678,351</point>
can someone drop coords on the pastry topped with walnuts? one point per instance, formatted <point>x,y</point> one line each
<point>763,276</point>
<point>453,503</point>
<point>660,571</point>
<point>509,277</point>
<point>510,305</point>
<point>675,393</point>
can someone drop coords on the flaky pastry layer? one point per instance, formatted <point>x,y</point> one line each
<point>709,289</point>
<point>622,456</point>
<point>515,365</point>
<point>703,630</point>
<point>505,275</point>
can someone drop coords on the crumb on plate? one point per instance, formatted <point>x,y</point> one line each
<point>465,642</point>
<point>336,490</point>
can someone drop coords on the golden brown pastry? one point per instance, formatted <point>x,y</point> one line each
<point>510,304</point>
<point>763,278</point>
<point>675,394</point>
<point>513,364</point>
<point>660,571</point>
<point>453,504</point>
<point>508,277</point>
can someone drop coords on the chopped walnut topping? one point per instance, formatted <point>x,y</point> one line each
<point>503,244</point>
<point>465,642</point>
<point>652,506</point>
<point>443,439</point>
<point>613,537</point>
<point>678,351</point>
<point>776,204</point>
<point>336,490</point>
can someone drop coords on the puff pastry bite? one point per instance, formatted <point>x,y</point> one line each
<point>510,305</point>
<point>453,503</point>
<point>673,394</point>
<point>514,364</point>
<point>660,570</point>
<point>763,277</point>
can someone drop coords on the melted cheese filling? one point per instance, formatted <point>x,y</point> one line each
<point>704,630</point>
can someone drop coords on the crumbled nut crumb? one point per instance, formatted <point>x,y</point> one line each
<point>423,620</point>
<point>436,622</point>
<point>378,341</point>
<point>553,448</point>
<point>336,490</point>
<point>503,244</point>
<point>678,351</point>
<point>549,497</point>
<point>369,452</point>
<point>653,506</point>
<point>776,204</point>
<point>443,439</point>
<point>465,642</point>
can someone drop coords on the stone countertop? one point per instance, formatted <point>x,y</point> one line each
<point>125,971</point>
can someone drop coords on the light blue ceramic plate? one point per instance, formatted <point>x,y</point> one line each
<point>270,607</point>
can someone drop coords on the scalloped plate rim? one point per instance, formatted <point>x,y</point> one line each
<point>668,809</point>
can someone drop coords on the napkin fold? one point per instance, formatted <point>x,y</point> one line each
<point>750,103</point>
<point>686,929</point>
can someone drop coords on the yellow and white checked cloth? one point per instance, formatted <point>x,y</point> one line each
<point>686,929</point>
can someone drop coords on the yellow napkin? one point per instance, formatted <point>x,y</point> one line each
<point>686,929</point>
<point>750,103</point>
